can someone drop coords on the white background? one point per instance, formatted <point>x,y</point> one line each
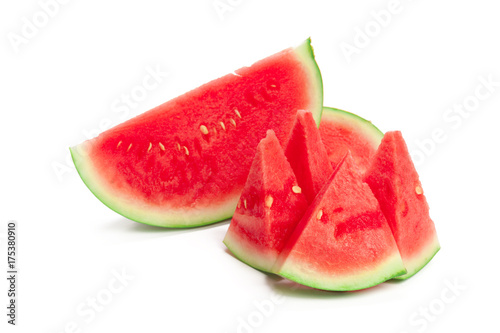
<point>61,83</point>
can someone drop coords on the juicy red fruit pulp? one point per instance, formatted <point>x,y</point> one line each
<point>149,162</point>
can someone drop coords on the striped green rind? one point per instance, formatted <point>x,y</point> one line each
<point>366,278</point>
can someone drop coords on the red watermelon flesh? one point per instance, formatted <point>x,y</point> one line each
<point>307,155</point>
<point>185,162</point>
<point>343,241</point>
<point>269,208</point>
<point>396,184</point>
<point>341,131</point>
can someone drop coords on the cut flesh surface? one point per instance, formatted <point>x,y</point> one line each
<point>396,184</point>
<point>269,208</point>
<point>307,155</point>
<point>343,241</point>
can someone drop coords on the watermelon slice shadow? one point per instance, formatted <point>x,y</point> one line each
<point>123,225</point>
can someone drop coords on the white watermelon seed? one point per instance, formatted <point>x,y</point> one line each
<point>269,201</point>
<point>237,113</point>
<point>245,203</point>
<point>203,129</point>
<point>150,146</point>
<point>320,214</point>
<point>178,146</point>
<point>162,147</point>
<point>419,190</point>
<point>222,125</point>
<point>119,143</point>
<point>296,189</point>
<point>129,146</point>
<point>186,150</point>
<point>232,122</point>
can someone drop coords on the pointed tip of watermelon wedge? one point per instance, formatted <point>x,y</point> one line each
<point>269,207</point>
<point>307,154</point>
<point>305,53</point>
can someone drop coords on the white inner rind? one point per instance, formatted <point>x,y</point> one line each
<point>301,273</point>
<point>249,253</point>
<point>140,211</point>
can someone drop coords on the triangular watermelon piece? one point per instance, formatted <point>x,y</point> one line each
<point>343,242</point>
<point>395,182</point>
<point>307,155</point>
<point>269,208</point>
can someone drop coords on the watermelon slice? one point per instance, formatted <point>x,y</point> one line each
<point>185,162</point>
<point>395,182</point>
<point>269,208</point>
<point>343,242</point>
<point>341,131</point>
<point>307,155</point>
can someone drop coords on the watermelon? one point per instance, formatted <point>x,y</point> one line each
<point>185,162</point>
<point>269,208</point>
<point>343,241</point>
<point>395,182</point>
<point>341,131</point>
<point>307,155</point>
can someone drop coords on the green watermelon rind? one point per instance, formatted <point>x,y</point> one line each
<point>251,255</point>
<point>389,269</point>
<point>416,264</point>
<point>90,178</point>
<point>365,126</point>
<point>305,52</point>
<point>185,218</point>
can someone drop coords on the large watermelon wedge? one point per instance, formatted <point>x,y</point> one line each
<point>395,182</point>
<point>270,207</point>
<point>185,162</point>
<point>307,155</point>
<point>342,131</point>
<point>343,241</point>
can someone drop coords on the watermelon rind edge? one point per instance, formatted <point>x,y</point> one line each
<point>426,256</point>
<point>373,131</point>
<point>305,52</point>
<point>156,219</point>
<point>391,268</point>
<point>243,250</point>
